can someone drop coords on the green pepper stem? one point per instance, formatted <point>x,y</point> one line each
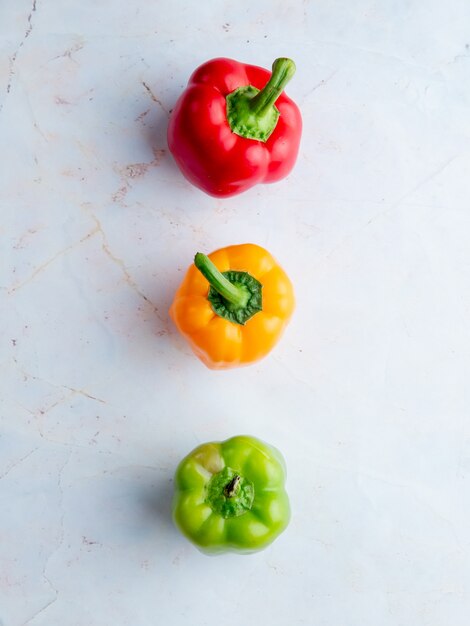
<point>237,296</point>
<point>229,494</point>
<point>282,71</point>
<point>231,488</point>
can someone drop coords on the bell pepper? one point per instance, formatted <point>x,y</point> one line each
<point>230,496</point>
<point>233,305</point>
<point>233,126</point>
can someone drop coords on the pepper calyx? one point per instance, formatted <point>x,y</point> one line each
<point>251,112</point>
<point>229,493</point>
<point>233,313</point>
<point>234,295</point>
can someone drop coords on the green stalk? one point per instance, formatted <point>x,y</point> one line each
<point>251,112</point>
<point>237,296</point>
<point>282,71</point>
<point>231,488</point>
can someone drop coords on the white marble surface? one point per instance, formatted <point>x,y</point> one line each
<point>367,395</point>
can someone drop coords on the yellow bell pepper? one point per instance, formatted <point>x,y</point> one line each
<point>233,305</point>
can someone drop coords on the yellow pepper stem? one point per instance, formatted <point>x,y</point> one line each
<point>237,296</point>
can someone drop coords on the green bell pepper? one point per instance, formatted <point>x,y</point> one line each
<point>230,496</point>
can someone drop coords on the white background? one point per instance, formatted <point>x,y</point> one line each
<point>367,394</point>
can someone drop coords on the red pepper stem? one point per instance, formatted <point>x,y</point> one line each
<point>282,71</point>
<point>251,113</point>
<point>237,296</point>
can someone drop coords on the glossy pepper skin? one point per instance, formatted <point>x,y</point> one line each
<point>235,319</point>
<point>230,496</point>
<point>233,127</point>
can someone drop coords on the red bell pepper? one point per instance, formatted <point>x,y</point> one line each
<point>233,127</point>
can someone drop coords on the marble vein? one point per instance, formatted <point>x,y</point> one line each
<point>301,381</point>
<point>55,442</point>
<point>17,462</point>
<point>459,57</point>
<point>45,576</point>
<point>322,83</point>
<point>42,609</point>
<point>132,171</point>
<point>414,189</point>
<point>68,54</point>
<point>392,206</point>
<point>73,390</point>
<point>14,56</point>
<point>120,263</point>
<point>45,265</point>
<point>154,98</point>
